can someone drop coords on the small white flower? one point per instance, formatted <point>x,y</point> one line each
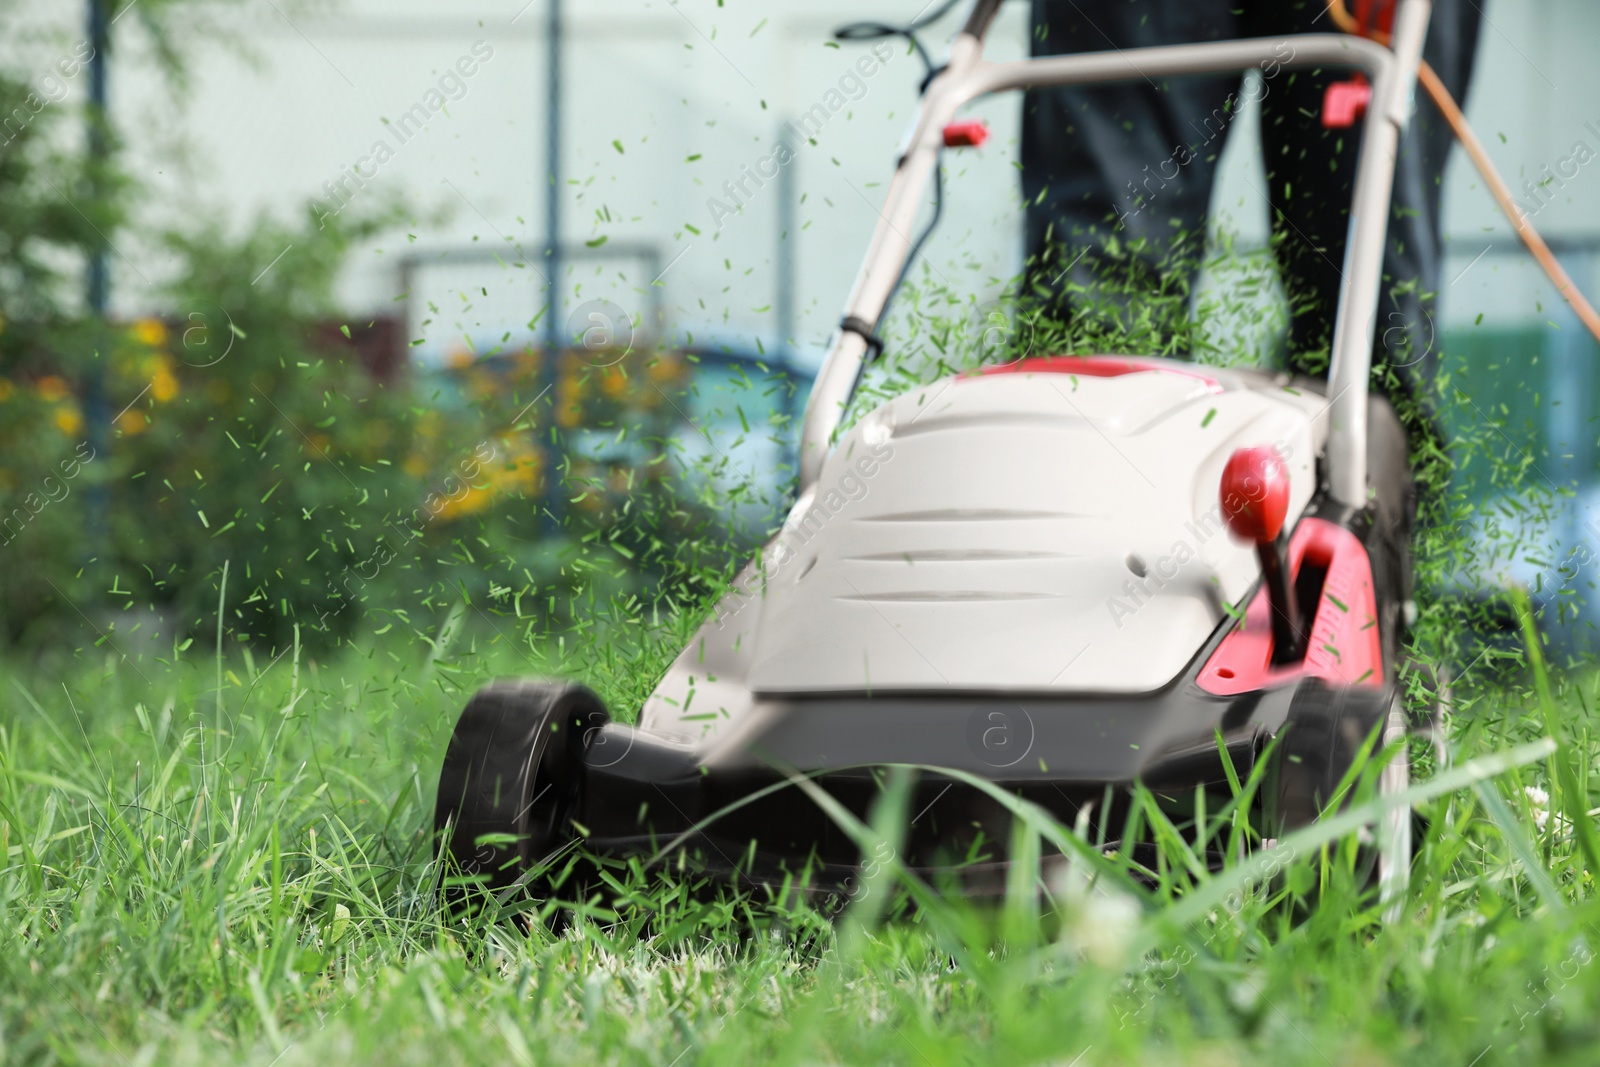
<point>1245,994</point>
<point>1540,801</point>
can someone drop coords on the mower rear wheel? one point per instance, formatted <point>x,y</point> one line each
<point>510,783</point>
<point>1394,832</point>
<point>1319,743</point>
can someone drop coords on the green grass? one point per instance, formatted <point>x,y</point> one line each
<point>250,880</point>
<point>225,859</point>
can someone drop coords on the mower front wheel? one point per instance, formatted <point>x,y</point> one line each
<point>510,783</point>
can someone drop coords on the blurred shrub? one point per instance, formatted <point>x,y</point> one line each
<point>242,446</point>
<point>226,456</point>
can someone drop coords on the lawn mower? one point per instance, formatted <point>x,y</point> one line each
<point>1063,575</point>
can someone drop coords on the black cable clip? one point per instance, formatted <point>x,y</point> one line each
<point>863,329</point>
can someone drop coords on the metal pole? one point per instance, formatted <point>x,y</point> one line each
<point>1569,359</point>
<point>788,184</point>
<point>95,414</point>
<point>554,496</point>
<point>788,194</point>
<point>99,281</point>
<point>552,203</point>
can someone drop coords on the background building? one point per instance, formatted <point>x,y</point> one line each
<point>662,104</point>
<point>668,111</point>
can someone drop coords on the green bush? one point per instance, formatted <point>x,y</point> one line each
<point>247,449</point>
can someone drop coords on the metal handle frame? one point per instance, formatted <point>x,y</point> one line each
<point>967,76</point>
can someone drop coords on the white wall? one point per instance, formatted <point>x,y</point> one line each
<point>310,94</point>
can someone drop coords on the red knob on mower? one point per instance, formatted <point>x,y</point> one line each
<point>1255,494</point>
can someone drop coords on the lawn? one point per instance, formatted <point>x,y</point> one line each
<point>215,859</point>
<point>220,849</point>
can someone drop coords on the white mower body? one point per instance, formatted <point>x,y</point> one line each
<point>1032,531</point>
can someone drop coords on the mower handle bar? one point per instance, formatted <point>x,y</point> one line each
<point>966,76</point>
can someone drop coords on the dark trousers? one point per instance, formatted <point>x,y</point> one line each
<point>1124,173</point>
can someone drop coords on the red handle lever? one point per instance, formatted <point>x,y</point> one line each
<point>1255,501</point>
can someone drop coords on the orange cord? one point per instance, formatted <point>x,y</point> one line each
<point>1530,237</point>
<point>1451,111</point>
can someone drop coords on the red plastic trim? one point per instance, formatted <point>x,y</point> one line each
<point>1096,367</point>
<point>1345,103</point>
<point>966,133</point>
<point>1343,648</point>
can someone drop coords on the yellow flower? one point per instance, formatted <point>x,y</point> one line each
<point>415,465</point>
<point>518,473</point>
<point>613,383</point>
<point>69,421</point>
<point>570,394</point>
<point>664,368</point>
<point>5,390</point>
<point>472,501</point>
<point>152,332</point>
<point>525,365</point>
<point>52,388</point>
<point>132,422</point>
<point>163,386</point>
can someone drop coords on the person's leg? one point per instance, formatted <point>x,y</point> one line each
<point>1117,179</point>
<point>1408,330</point>
<point>1310,174</point>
